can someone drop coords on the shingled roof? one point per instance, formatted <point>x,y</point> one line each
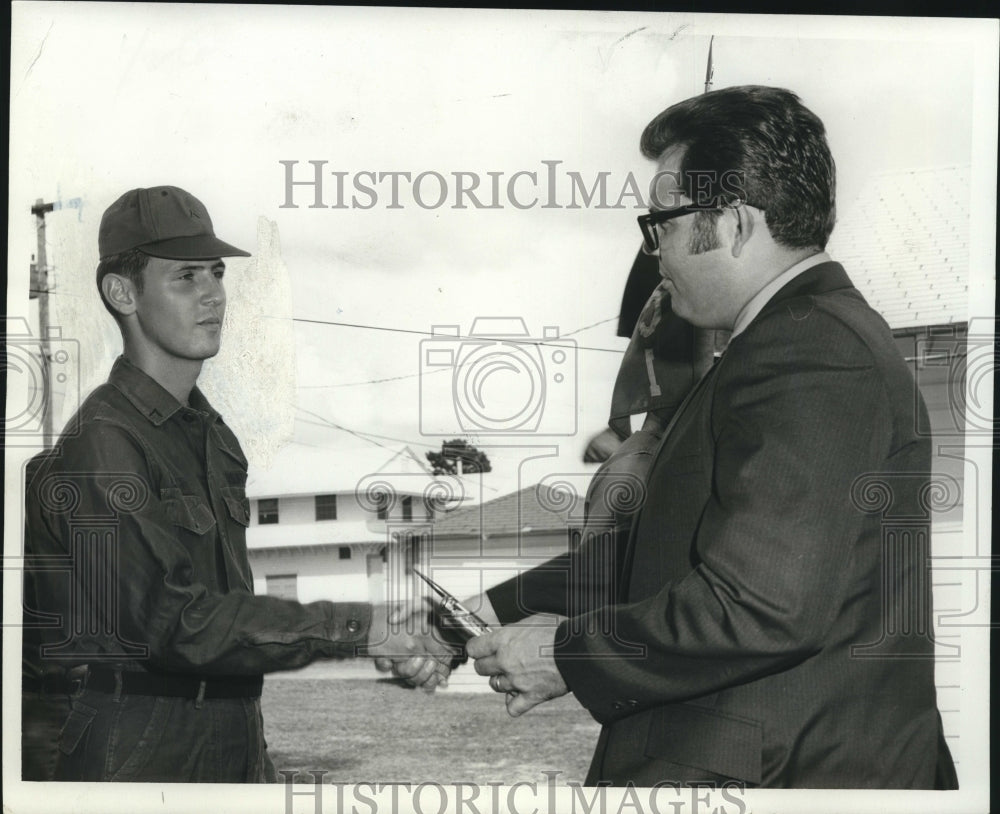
<point>533,509</point>
<point>301,470</point>
<point>905,243</point>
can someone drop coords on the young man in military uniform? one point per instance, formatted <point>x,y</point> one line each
<point>150,628</point>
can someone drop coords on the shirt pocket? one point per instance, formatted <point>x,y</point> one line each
<point>187,511</point>
<point>237,503</point>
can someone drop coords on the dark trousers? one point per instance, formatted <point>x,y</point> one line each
<point>42,716</point>
<point>155,739</point>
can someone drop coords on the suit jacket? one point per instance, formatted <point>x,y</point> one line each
<point>769,619</point>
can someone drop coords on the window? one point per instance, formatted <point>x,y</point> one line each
<point>326,507</point>
<point>284,586</point>
<point>938,358</point>
<point>344,552</point>
<point>267,511</point>
<point>407,509</point>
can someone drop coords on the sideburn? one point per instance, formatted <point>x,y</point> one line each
<point>704,234</point>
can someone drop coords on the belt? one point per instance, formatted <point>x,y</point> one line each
<point>51,684</point>
<point>141,683</point>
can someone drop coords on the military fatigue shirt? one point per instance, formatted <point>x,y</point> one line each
<point>136,544</point>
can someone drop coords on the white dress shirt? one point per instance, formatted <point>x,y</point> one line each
<point>762,297</point>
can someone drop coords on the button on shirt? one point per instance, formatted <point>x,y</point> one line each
<point>136,542</point>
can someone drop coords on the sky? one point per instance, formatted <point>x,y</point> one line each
<point>328,335</point>
<point>106,97</point>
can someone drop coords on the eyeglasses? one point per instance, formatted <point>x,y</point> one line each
<point>648,223</point>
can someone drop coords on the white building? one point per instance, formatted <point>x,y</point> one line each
<point>322,526</point>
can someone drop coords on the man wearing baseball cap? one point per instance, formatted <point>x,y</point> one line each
<point>140,605</point>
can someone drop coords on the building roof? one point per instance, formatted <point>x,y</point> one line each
<point>302,470</point>
<point>334,532</point>
<point>537,508</point>
<point>904,241</point>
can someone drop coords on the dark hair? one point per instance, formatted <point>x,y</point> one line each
<point>757,144</point>
<point>128,264</point>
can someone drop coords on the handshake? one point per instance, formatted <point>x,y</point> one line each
<point>422,647</point>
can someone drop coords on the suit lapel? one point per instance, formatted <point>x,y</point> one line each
<point>819,279</point>
<point>682,410</point>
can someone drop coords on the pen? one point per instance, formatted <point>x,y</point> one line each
<point>462,618</point>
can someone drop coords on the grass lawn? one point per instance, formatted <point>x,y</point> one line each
<point>362,730</point>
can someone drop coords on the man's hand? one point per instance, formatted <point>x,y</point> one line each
<point>519,660</point>
<point>406,645</point>
<point>602,446</point>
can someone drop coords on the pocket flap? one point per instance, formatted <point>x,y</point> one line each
<point>707,739</point>
<point>187,511</point>
<point>80,718</point>
<point>237,503</point>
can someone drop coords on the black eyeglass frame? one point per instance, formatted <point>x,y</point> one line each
<point>649,221</point>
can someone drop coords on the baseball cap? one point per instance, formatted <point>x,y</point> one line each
<point>161,222</point>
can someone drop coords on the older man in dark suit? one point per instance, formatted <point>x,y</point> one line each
<point>757,626</point>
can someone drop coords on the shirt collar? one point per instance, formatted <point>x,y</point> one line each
<point>763,297</point>
<point>148,397</point>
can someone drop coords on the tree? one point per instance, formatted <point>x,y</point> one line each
<point>455,453</point>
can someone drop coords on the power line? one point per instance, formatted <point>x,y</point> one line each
<point>387,379</point>
<point>592,325</point>
<point>508,340</point>
<point>325,422</point>
<point>369,381</point>
<point>55,291</point>
<point>538,343</point>
<point>418,375</point>
<point>355,325</point>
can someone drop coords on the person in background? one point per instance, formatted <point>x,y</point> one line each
<point>643,278</point>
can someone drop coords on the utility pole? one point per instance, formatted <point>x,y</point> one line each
<point>40,290</point>
<point>710,70</point>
